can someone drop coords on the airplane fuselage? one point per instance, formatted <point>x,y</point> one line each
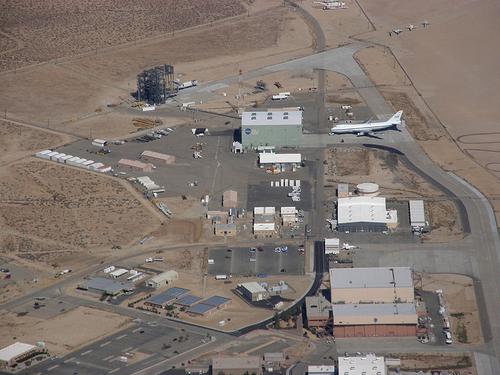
<point>368,127</point>
<point>360,128</point>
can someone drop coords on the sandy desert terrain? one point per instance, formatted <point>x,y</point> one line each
<point>82,88</point>
<point>48,208</point>
<point>69,27</point>
<point>17,141</point>
<point>59,332</point>
<point>453,87</point>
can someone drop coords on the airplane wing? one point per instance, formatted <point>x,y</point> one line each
<point>367,134</point>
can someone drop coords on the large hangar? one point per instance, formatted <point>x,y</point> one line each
<point>279,128</point>
<point>361,214</point>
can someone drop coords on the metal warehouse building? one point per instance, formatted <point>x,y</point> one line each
<point>361,214</point>
<point>280,128</point>
<point>163,279</point>
<point>417,214</point>
<point>375,301</point>
<point>371,285</point>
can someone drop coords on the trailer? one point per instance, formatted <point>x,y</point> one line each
<point>279,97</point>
<point>187,84</point>
<point>99,143</point>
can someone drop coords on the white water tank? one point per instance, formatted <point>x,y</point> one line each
<point>369,189</point>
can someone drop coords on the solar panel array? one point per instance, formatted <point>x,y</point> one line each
<point>167,296</point>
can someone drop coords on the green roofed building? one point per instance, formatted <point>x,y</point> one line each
<point>279,128</point>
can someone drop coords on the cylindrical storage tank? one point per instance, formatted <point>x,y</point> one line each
<point>367,189</point>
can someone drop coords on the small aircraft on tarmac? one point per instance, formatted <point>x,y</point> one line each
<point>331,5</point>
<point>425,23</point>
<point>410,27</point>
<point>368,128</point>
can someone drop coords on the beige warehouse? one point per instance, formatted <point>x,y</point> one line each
<point>156,157</point>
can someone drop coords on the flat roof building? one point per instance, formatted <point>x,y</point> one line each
<point>108,286</point>
<point>252,291</point>
<point>321,370</point>
<point>374,314</point>
<point>225,230</point>
<point>157,157</point>
<point>317,311</point>
<point>18,352</point>
<point>417,214</point>
<point>332,245</point>
<point>368,364</point>
<point>374,301</point>
<point>279,128</point>
<point>371,284</point>
<point>163,279</point>
<point>269,158</point>
<point>361,214</point>
<point>237,365</point>
<point>342,190</point>
<point>230,199</point>
<point>135,165</point>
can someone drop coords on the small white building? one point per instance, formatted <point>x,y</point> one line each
<point>252,291</point>
<point>332,246</point>
<point>362,365</point>
<point>163,279</point>
<point>321,370</point>
<point>288,215</point>
<point>118,272</point>
<point>265,211</point>
<point>417,214</point>
<point>264,228</point>
<point>268,159</point>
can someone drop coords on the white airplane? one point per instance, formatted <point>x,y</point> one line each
<point>410,27</point>
<point>425,23</point>
<point>368,128</point>
<point>346,246</point>
<point>395,31</point>
<point>331,5</point>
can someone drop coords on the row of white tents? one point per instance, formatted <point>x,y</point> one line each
<point>74,161</point>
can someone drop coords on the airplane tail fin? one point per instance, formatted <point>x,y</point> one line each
<point>396,118</point>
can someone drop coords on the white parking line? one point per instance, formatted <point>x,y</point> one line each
<point>108,358</point>
<point>87,352</point>
<point>53,367</point>
<point>115,370</point>
<point>104,344</point>
<point>69,360</point>
<point>128,349</point>
<point>136,330</point>
<point>121,337</point>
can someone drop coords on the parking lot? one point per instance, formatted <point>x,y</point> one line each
<point>135,347</point>
<point>218,170</point>
<point>238,261</point>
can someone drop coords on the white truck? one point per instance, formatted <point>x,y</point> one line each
<point>221,277</point>
<point>281,96</point>
<point>187,84</point>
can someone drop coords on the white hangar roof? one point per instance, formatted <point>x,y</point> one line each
<point>361,210</point>
<point>282,117</point>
